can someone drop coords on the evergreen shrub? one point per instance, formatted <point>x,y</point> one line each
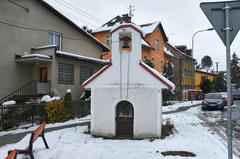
<point>56,111</point>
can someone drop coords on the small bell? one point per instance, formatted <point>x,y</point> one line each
<point>126,40</point>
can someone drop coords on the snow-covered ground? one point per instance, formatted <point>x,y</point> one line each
<point>177,105</point>
<point>72,143</point>
<point>31,128</point>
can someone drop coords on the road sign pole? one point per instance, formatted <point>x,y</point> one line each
<point>227,29</point>
<point>219,15</point>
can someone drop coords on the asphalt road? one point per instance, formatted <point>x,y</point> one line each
<point>216,121</point>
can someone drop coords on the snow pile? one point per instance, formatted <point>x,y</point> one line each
<point>8,103</point>
<point>53,98</point>
<point>73,142</point>
<point>45,98</point>
<point>69,91</point>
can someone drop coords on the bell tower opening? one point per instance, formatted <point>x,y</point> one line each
<point>125,41</point>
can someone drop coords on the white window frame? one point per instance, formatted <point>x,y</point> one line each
<point>54,39</point>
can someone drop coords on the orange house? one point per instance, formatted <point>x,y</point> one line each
<point>152,44</point>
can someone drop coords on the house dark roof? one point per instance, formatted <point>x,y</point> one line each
<point>67,20</point>
<point>178,50</point>
<point>147,28</point>
<point>113,22</point>
<point>118,19</point>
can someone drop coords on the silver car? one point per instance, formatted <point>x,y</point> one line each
<point>214,101</point>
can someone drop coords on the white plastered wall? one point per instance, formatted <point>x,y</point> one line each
<point>147,111</point>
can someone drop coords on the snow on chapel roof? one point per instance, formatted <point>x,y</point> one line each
<point>133,26</point>
<point>158,76</point>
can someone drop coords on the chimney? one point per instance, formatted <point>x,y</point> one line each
<point>189,52</point>
<point>182,48</point>
<point>126,18</point>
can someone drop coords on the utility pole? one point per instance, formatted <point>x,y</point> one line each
<point>131,10</point>
<point>217,67</point>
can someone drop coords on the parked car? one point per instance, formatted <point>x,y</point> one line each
<point>214,101</point>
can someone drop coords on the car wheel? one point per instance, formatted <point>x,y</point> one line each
<point>203,109</point>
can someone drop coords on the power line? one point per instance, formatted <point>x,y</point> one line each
<point>75,17</point>
<point>25,8</point>
<point>81,12</point>
<point>37,29</point>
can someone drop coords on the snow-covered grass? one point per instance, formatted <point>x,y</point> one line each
<point>177,105</point>
<point>72,121</point>
<point>72,143</point>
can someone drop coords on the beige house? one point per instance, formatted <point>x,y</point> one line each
<point>42,51</point>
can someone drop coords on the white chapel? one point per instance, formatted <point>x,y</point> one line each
<point>126,95</point>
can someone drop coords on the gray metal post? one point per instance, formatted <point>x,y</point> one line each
<point>229,96</point>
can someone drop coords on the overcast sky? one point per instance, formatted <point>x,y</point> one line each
<point>180,20</point>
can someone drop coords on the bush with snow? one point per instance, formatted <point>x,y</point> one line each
<point>68,95</point>
<point>45,98</point>
<point>53,98</point>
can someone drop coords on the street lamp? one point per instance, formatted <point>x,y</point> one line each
<point>210,29</point>
<point>199,31</point>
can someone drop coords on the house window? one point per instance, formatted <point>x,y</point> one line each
<point>109,40</point>
<point>162,65</point>
<point>85,73</point>
<point>65,73</point>
<point>157,44</point>
<point>203,78</point>
<point>55,39</point>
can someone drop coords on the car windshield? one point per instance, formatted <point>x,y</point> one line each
<point>213,96</point>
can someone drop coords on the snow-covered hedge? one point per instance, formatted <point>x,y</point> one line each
<point>8,103</point>
<point>48,98</point>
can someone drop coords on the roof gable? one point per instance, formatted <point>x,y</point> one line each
<point>126,71</point>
